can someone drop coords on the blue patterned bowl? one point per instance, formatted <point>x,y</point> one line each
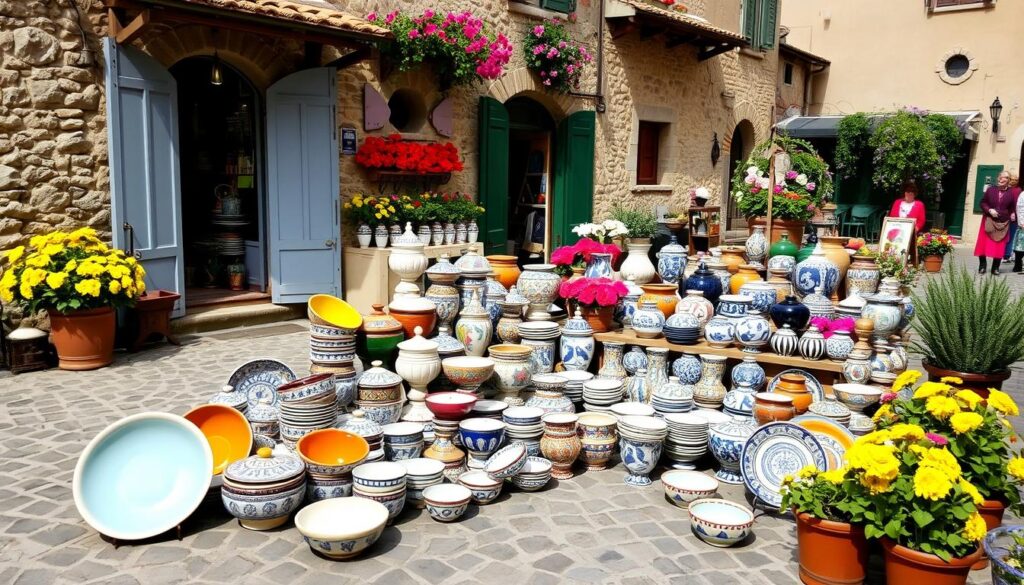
<point>481,436</point>
<point>720,523</point>
<point>447,502</point>
<point>341,528</point>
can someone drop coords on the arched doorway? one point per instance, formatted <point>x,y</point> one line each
<point>740,145</point>
<point>530,160</point>
<point>222,194</point>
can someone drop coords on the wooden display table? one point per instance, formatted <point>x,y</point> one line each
<point>368,281</point>
<point>826,371</point>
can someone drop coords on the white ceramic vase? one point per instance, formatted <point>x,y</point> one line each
<point>638,266</point>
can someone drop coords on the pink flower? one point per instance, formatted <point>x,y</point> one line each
<point>562,44</point>
<point>811,186</point>
<point>588,295</point>
<point>414,34</point>
<point>538,31</point>
<point>563,256</point>
<point>937,439</point>
<point>547,82</point>
<point>539,49</point>
<point>428,14</point>
<point>888,397</point>
<point>372,17</point>
<point>755,190</point>
<point>543,73</point>
<point>778,189</point>
<point>554,73</point>
<point>790,175</point>
<point>430,29</point>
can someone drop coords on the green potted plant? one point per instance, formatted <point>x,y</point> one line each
<point>362,213</point>
<point>641,225</point>
<point>894,265</point>
<point>79,280</point>
<point>236,276</point>
<point>967,329</point>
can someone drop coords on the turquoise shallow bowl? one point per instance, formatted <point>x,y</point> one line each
<point>142,476</point>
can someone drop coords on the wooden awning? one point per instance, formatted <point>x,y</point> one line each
<point>678,27</point>
<point>306,20</point>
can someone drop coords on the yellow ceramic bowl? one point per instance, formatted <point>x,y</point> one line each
<point>330,310</point>
<point>226,430</point>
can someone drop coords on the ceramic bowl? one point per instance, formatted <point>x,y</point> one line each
<point>450,405</point>
<point>341,528</point>
<point>481,435</point>
<point>857,396</point>
<point>484,489</point>
<point>403,433</point>
<point>264,509</point>
<point>632,409</point>
<point>334,312</point>
<point>332,451</point>
<point>329,333</point>
<point>321,489</point>
<point>522,415</point>
<point>447,502</point>
<point>226,430</point>
<point>402,451</point>
<point>534,475</point>
<point>489,408</point>
<point>380,477</point>
<point>383,413</point>
<point>422,467</point>
<point>467,370</point>
<point>720,522</point>
<point>683,487</point>
<point>507,462</point>
<point>142,475</point>
<point>394,501</point>
<point>307,389</point>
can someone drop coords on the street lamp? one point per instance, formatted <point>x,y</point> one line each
<point>995,110</point>
<point>216,77</point>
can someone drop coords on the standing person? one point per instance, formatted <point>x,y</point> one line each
<point>1013,223</point>
<point>997,206</point>
<point>909,206</point>
<point>1018,239</point>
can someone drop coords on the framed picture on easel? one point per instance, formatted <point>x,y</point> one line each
<point>898,235</point>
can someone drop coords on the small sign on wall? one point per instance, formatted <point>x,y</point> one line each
<point>348,141</point>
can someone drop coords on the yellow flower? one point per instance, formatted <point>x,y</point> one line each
<point>952,380</point>
<point>1016,467</point>
<point>931,483</point>
<point>972,491</point>
<point>965,422</point>
<point>1002,402</point>
<point>907,378</point>
<point>71,265</point>
<point>140,287</point>
<point>25,289</point>
<point>931,389</point>
<point>15,254</point>
<point>883,411</point>
<point>874,438</point>
<point>807,471</point>
<point>787,479</point>
<point>114,287</point>
<point>347,206</point>
<point>88,286</point>
<point>56,279</point>
<point>38,260</point>
<point>391,208</point>
<point>52,249</point>
<point>33,276</point>
<point>942,460</point>
<point>377,215</point>
<point>38,241</point>
<point>970,398</point>
<point>7,282</point>
<point>877,461</point>
<point>941,406</point>
<point>975,528</point>
<point>877,485</point>
<point>906,432</point>
<point>835,476</point>
<point>358,204</point>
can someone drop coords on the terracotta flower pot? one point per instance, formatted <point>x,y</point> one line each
<point>980,383</point>
<point>84,339</point>
<point>992,512</point>
<point>794,228</point>
<point>830,553</point>
<point>904,565</point>
<point>599,318</point>
<point>933,263</point>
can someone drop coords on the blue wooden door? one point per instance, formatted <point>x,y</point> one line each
<point>145,192</point>
<point>302,186</point>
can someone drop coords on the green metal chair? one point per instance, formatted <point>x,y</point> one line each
<point>862,222</point>
<point>842,216</point>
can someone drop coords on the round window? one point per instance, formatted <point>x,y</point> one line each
<point>957,66</point>
<point>408,111</point>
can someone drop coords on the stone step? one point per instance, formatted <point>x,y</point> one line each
<point>236,315</point>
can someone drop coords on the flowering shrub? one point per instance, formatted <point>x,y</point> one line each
<point>935,243</point>
<point>457,45</point>
<point>392,152</point>
<point>593,292</point>
<point>603,232</point>
<point>976,430</point>
<point>829,495</point>
<point>70,271</point>
<point>799,189</point>
<point>373,210</point>
<point>577,255</point>
<point>892,264</point>
<point>830,326</point>
<point>554,56</point>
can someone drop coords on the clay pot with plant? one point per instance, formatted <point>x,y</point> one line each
<point>236,276</point>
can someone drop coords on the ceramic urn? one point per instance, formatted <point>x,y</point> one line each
<point>407,261</point>
<point>418,363</point>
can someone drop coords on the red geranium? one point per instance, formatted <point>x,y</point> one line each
<point>392,152</point>
<point>594,292</point>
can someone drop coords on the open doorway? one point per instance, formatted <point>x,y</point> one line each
<point>221,189</point>
<point>531,149</point>
<point>739,149</point>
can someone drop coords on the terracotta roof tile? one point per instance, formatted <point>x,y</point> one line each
<point>694,22</point>
<point>313,12</point>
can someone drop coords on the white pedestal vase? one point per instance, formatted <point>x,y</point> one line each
<point>418,363</point>
<point>408,262</point>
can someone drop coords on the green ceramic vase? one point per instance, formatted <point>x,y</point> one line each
<point>784,247</point>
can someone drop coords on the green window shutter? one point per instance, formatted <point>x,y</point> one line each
<point>563,6</point>
<point>493,174</point>
<point>749,20</point>
<point>768,23</point>
<point>986,177</point>
<point>574,176</point>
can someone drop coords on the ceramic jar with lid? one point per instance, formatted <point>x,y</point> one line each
<point>795,386</point>
<point>418,364</point>
<point>380,394</point>
<point>720,271</point>
<point>791,312</point>
<point>263,490</point>
<point>757,245</point>
<point>442,291</point>
<point>704,280</point>
<point>539,284</point>
<point>648,321</point>
<point>413,312</point>
<point>357,424</point>
<point>819,305</point>
<point>493,294</point>
<point>852,306</point>
<point>382,334</point>
<point>812,344</point>
<point>726,441</point>
<point>816,271</point>
<point>671,261</point>
<point>746,273</point>
<point>695,304</point>
<point>264,418</point>
<point>474,327</point>
<point>753,331</point>
<point>663,295</point>
<point>474,269</point>
<point>784,341</point>
<point>229,396</point>
<point>407,261</point>
<point>577,347</point>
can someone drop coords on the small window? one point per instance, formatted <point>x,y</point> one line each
<point>408,111</point>
<point>647,152</point>
<point>942,5</point>
<point>957,66</point>
<point>787,74</point>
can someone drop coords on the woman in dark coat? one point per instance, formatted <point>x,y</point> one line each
<point>998,207</point>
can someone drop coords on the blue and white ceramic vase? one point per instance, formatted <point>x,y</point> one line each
<point>762,294</point>
<point>640,458</point>
<point>705,281</point>
<point>577,348</point>
<point>748,373</point>
<point>613,367</point>
<point>782,263</point>
<point>812,344</point>
<point>739,401</point>
<point>757,246</point>
<point>364,235</point>
<point>720,331</point>
<point>790,312</point>
<point>472,232</point>
<point>657,370</point>
<point>381,236</point>
<point>626,306</point>
<point>726,442</point>
<point>461,235</point>
<point>423,233</point>
<point>687,368</point>
<point>437,233</point>
<point>636,387</point>
<point>449,233</point>
<point>820,305</point>
<point>838,346</point>
<point>753,331</point>
<point>634,359</point>
<point>784,341</point>
<point>600,266</point>
<point>709,391</point>
<point>648,321</point>
<point>815,271</point>
<point>733,307</point>
<point>885,311</point>
<point>494,294</point>
<point>671,261</point>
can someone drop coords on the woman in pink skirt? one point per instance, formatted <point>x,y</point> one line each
<point>998,210</point>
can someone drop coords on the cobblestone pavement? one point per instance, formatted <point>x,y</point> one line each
<point>588,529</point>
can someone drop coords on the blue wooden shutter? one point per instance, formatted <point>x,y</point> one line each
<point>768,23</point>
<point>493,173</point>
<point>145,188</point>
<point>574,176</point>
<point>302,186</point>
<point>563,6</point>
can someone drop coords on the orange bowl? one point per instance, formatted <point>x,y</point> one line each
<point>332,451</point>
<point>226,430</point>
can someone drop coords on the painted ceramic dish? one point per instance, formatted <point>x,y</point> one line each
<point>774,451</point>
<point>720,522</point>
<point>332,451</point>
<point>813,385</point>
<point>142,475</point>
<point>226,430</point>
<point>259,379</point>
<point>330,310</point>
<point>834,437</point>
<point>341,528</point>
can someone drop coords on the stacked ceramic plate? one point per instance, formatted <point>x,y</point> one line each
<point>600,393</point>
<point>523,426</point>
<point>574,384</point>
<point>687,439</point>
<point>673,398</point>
<point>331,346</point>
<point>306,405</point>
<point>421,473</point>
<point>534,475</point>
<point>384,482</point>
<point>228,220</point>
<point>642,428</point>
<point>833,409</point>
<point>682,329</point>
<point>622,409</point>
<point>488,409</point>
<point>230,244</point>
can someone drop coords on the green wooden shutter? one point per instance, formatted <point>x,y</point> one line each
<point>986,177</point>
<point>749,20</point>
<point>493,173</point>
<point>563,6</point>
<point>768,22</point>
<point>574,176</point>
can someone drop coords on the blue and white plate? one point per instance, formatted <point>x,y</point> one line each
<point>834,437</point>
<point>813,385</point>
<point>259,379</point>
<point>774,451</point>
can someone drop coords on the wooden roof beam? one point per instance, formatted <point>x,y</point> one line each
<point>134,28</point>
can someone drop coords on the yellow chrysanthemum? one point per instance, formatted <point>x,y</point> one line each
<point>88,286</point>
<point>877,485</point>
<point>876,460</point>
<point>1016,467</point>
<point>391,208</point>
<point>1002,402</point>
<point>965,422</point>
<point>38,241</point>
<point>38,260</point>
<point>931,483</point>
<point>874,438</point>
<point>787,479</point>
<point>56,280</point>
<point>71,265</point>
<point>952,379</point>
<point>883,411</point>
<point>972,491</point>
<point>929,389</point>
<point>835,476</point>
<point>377,215</point>
<point>114,287</point>
<point>15,254</point>
<point>941,407</point>
<point>969,398</point>
<point>942,460</point>
<point>975,528</point>
<point>807,471</point>
<point>33,276</point>
<point>25,289</point>
<point>140,287</point>
<point>52,249</point>
<point>906,432</point>
<point>907,378</point>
